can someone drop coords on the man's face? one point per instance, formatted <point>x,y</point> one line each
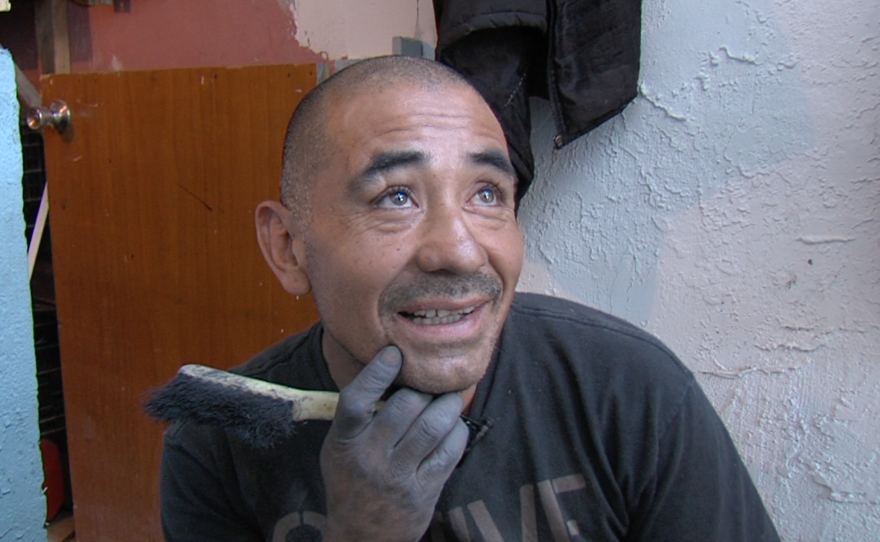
<point>413,239</point>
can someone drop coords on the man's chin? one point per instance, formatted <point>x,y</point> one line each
<point>432,387</point>
<point>449,367</point>
<point>441,379</point>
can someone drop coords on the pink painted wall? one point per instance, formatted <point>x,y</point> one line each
<point>159,34</point>
<point>164,34</point>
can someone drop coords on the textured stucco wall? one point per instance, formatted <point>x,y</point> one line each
<point>22,506</point>
<point>734,210</point>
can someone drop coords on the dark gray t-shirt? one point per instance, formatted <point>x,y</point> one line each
<point>597,432</point>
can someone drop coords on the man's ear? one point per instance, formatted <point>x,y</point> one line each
<point>282,246</point>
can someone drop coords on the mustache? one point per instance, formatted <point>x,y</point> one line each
<point>452,286</point>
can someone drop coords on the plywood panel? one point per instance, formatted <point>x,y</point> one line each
<point>156,260</point>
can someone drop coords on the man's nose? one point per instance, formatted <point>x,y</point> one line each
<point>447,242</point>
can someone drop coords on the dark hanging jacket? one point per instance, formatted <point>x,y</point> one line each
<point>581,55</point>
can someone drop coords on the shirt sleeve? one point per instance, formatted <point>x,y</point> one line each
<point>700,489</point>
<point>196,503</point>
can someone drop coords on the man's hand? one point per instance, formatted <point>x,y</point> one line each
<point>384,471</point>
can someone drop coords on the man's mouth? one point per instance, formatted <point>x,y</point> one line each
<point>437,316</point>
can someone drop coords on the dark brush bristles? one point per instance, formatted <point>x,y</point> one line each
<point>258,420</point>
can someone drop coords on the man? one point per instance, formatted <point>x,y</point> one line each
<point>506,416</point>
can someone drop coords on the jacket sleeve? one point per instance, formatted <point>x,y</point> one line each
<point>700,489</point>
<point>196,503</point>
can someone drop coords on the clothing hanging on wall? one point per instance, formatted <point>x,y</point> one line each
<point>581,55</point>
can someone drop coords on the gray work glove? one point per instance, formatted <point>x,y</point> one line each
<point>384,471</point>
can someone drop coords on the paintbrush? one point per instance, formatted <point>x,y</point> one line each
<point>259,412</point>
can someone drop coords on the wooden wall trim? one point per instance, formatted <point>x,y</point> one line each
<point>53,38</point>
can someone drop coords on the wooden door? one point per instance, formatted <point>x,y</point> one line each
<point>156,260</point>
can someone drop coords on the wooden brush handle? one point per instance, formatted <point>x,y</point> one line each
<point>305,404</point>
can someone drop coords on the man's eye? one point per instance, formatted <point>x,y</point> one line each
<point>396,198</point>
<point>487,196</point>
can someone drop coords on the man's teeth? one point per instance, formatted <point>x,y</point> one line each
<point>439,316</point>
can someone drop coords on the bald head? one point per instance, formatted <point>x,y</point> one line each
<point>308,147</point>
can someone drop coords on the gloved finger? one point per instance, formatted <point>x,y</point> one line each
<point>439,464</point>
<point>398,414</point>
<point>427,432</point>
<point>357,402</point>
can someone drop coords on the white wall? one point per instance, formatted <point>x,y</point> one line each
<point>22,506</point>
<point>734,210</point>
<point>340,29</point>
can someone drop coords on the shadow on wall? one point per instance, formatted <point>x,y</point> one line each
<point>722,106</point>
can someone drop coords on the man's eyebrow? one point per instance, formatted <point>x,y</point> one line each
<point>387,161</point>
<point>494,159</point>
